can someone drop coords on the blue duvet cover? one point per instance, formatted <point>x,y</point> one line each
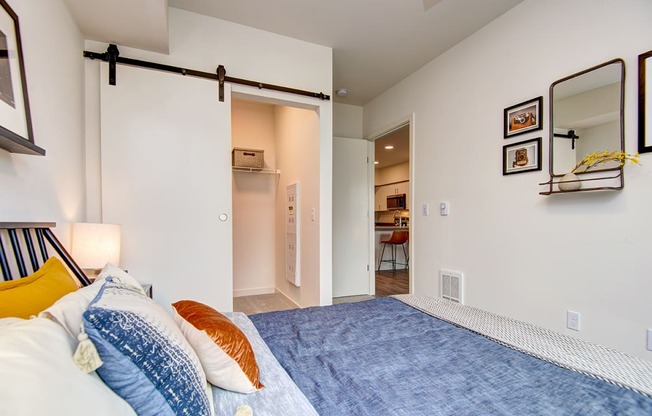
<point>383,357</point>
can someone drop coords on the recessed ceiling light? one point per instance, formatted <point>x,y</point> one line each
<point>389,147</point>
<point>342,92</point>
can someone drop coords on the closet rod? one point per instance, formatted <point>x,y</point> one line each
<point>112,57</point>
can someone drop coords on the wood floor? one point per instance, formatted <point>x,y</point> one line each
<point>392,283</point>
<point>387,283</point>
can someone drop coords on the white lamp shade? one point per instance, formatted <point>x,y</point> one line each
<point>94,245</point>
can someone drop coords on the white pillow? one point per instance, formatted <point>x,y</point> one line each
<point>223,349</point>
<point>40,377</point>
<point>119,276</point>
<point>68,310</point>
<point>9,321</point>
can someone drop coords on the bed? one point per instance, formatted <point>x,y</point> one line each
<point>415,355</point>
<point>105,348</point>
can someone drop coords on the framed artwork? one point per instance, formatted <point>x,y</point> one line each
<point>16,134</point>
<point>524,117</point>
<point>644,102</point>
<point>522,156</point>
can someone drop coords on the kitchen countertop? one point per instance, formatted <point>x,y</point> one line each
<point>391,228</point>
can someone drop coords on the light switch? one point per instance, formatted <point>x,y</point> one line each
<point>425,209</point>
<point>444,208</point>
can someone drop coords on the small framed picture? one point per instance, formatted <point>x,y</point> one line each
<point>522,156</point>
<point>524,117</point>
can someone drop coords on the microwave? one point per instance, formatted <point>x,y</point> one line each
<point>396,201</point>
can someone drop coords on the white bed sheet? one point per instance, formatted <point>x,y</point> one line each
<point>281,396</point>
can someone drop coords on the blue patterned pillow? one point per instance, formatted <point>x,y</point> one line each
<point>147,361</point>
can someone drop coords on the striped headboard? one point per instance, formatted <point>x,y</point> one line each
<point>25,246</point>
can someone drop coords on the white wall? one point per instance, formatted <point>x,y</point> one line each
<point>254,202</point>
<point>524,255</point>
<point>347,121</point>
<point>50,188</point>
<point>394,173</point>
<point>298,158</point>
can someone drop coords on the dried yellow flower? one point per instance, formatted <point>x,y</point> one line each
<point>597,158</point>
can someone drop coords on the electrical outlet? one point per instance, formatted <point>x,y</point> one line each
<point>573,320</point>
<point>649,339</point>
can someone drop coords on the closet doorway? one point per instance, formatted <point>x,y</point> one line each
<point>288,139</point>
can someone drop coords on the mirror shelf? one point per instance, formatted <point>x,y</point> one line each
<point>597,181</point>
<point>586,118</point>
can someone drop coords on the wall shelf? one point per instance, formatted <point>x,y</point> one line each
<point>268,171</point>
<point>608,183</point>
<point>15,144</point>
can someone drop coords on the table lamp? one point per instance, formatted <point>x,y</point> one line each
<point>94,245</point>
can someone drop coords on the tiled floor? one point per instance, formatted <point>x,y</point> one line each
<point>262,303</point>
<point>387,283</point>
<point>346,299</point>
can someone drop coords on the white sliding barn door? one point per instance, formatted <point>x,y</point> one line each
<point>350,218</point>
<point>166,178</point>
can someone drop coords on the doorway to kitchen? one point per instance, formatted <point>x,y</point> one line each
<point>392,203</point>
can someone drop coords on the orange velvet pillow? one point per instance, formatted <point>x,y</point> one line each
<point>32,294</point>
<point>223,349</point>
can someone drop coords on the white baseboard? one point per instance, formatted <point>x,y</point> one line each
<point>287,297</point>
<point>252,292</point>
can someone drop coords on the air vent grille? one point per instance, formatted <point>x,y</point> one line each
<point>451,285</point>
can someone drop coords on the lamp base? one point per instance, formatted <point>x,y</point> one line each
<point>92,273</point>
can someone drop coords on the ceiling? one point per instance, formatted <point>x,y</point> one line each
<point>376,43</point>
<point>118,21</point>
<point>399,139</point>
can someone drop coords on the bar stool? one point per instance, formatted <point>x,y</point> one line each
<point>397,238</point>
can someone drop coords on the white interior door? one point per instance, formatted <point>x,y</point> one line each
<point>350,218</point>
<point>166,178</point>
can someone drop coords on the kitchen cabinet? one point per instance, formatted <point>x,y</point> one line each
<point>398,188</point>
<point>381,198</point>
<point>383,191</point>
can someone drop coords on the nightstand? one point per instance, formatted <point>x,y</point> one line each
<point>147,287</point>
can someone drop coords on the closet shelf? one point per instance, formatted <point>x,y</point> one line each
<point>268,171</point>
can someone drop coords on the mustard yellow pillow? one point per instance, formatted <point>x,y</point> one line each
<point>30,295</point>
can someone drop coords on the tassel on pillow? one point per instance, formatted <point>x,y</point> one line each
<point>244,410</point>
<point>86,357</point>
